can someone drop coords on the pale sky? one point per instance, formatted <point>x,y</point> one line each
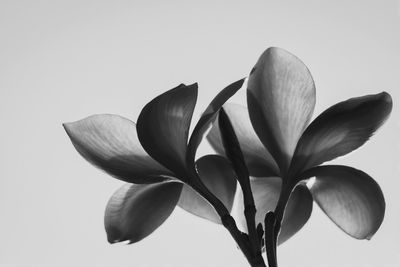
<point>65,60</point>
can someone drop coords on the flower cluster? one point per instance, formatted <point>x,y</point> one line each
<point>281,150</point>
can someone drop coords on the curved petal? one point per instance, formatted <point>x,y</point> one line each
<point>218,176</point>
<point>110,143</point>
<point>266,194</point>
<point>341,129</point>
<point>258,160</point>
<point>135,211</point>
<point>209,116</point>
<point>350,198</point>
<point>297,212</point>
<point>281,99</point>
<point>163,127</point>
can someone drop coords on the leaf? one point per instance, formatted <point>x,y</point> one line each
<point>258,160</point>
<point>135,211</point>
<point>163,127</point>
<point>218,176</point>
<point>350,198</point>
<point>110,143</point>
<point>341,129</point>
<point>281,100</point>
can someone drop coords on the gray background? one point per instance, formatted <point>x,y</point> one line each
<point>64,60</point>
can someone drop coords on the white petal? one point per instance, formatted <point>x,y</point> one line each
<point>110,142</point>
<point>135,211</point>
<point>163,127</point>
<point>341,129</point>
<point>350,198</point>
<point>281,100</point>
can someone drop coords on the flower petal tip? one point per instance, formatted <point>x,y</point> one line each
<point>66,126</point>
<point>112,241</point>
<point>385,96</point>
<point>194,86</point>
<point>69,128</point>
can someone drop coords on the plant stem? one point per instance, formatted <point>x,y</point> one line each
<point>250,212</point>
<point>273,222</point>
<point>249,244</point>
<point>240,238</point>
<point>270,239</point>
<point>243,243</point>
<point>227,220</point>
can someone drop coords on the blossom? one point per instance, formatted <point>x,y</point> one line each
<point>284,150</point>
<point>156,159</point>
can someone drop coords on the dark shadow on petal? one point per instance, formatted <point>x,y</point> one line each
<point>209,116</point>
<point>163,127</point>
<point>297,212</point>
<point>341,129</point>
<point>350,198</point>
<point>135,211</point>
<point>281,100</point>
<point>110,143</point>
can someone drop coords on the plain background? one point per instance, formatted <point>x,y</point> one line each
<point>65,60</point>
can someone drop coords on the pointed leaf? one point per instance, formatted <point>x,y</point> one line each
<point>266,194</point>
<point>350,198</point>
<point>217,174</point>
<point>110,143</point>
<point>258,160</point>
<point>281,99</point>
<point>163,127</point>
<point>135,211</point>
<point>341,129</point>
<point>209,116</point>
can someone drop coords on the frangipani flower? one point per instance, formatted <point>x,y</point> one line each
<point>157,160</point>
<point>285,150</point>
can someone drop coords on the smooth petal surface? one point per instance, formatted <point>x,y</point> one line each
<point>209,116</point>
<point>110,142</point>
<point>135,211</point>
<point>258,160</point>
<point>266,194</point>
<point>281,100</point>
<point>163,127</point>
<point>297,212</point>
<point>350,198</point>
<point>341,129</point>
<point>218,176</point>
